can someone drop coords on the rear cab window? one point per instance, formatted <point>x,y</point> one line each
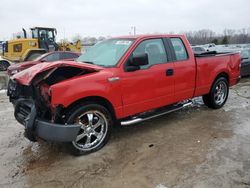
<point>179,49</point>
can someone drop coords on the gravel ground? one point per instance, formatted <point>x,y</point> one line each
<point>194,147</point>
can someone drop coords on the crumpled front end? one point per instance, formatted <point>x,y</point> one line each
<point>33,107</point>
<point>32,115</point>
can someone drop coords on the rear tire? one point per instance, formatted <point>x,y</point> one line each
<point>96,124</point>
<point>218,94</point>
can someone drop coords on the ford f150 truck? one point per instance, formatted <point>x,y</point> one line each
<point>122,80</point>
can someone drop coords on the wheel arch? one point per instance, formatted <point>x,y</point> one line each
<point>97,99</point>
<point>221,74</point>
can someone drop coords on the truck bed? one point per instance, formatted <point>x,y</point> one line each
<point>210,65</point>
<point>213,53</point>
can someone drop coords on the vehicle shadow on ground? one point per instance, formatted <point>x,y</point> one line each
<point>174,144</point>
<point>50,150</point>
<point>120,133</point>
<point>183,135</point>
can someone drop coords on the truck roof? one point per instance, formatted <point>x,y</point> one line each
<point>148,36</point>
<point>51,28</point>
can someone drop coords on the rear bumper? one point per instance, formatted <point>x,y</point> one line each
<point>26,114</point>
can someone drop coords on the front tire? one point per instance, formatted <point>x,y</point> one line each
<point>218,94</point>
<point>96,123</point>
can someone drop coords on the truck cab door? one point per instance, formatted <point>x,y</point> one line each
<point>184,69</point>
<point>151,86</point>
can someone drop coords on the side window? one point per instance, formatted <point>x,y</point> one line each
<point>17,48</point>
<point>179,48</point>
<point>5,47</point>
<point>52,57</point>
<point>155,50</point>
<point>69,56</point>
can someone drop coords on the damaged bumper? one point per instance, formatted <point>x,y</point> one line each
<point>26,114</point>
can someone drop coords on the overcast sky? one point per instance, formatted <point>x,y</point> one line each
<point>115,17</point>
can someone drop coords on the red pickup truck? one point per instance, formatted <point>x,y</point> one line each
<point>126,80</point>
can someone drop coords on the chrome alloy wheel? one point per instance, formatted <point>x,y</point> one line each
<point>94,126</point>
<point>220,94</point>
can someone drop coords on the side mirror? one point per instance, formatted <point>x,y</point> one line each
<point>135,61</point>
<point>139,59</point>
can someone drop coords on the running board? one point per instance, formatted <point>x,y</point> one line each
<point>167,110</point>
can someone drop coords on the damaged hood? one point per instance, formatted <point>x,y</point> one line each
<point>26,76</point>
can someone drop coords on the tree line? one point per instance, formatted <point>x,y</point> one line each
<point>229,36</point>
<point>203,36</point>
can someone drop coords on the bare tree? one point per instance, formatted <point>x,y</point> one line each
<point>229,36</point>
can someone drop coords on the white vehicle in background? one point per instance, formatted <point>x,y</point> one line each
<point>247,46</point>
<point>198,49</point>
<point>4,63</point>
<point>210,47</point>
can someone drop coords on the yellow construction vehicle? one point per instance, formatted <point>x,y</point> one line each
<point>68,46</point>
<point>42,41</point>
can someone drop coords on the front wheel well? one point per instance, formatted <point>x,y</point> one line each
<point>95,99</point>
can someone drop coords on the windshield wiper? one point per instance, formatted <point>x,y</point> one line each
<point>89,62</point>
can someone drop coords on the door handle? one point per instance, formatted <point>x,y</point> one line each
<point>169,72</point>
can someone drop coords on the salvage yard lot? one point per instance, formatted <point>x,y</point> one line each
<point>195,147</point>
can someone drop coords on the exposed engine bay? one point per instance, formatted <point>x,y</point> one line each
<point>38,93</point>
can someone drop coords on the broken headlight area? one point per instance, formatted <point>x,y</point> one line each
<point>15,90</point>
<point>38,93</point>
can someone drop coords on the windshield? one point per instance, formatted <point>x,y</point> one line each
<point>106,53</point>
